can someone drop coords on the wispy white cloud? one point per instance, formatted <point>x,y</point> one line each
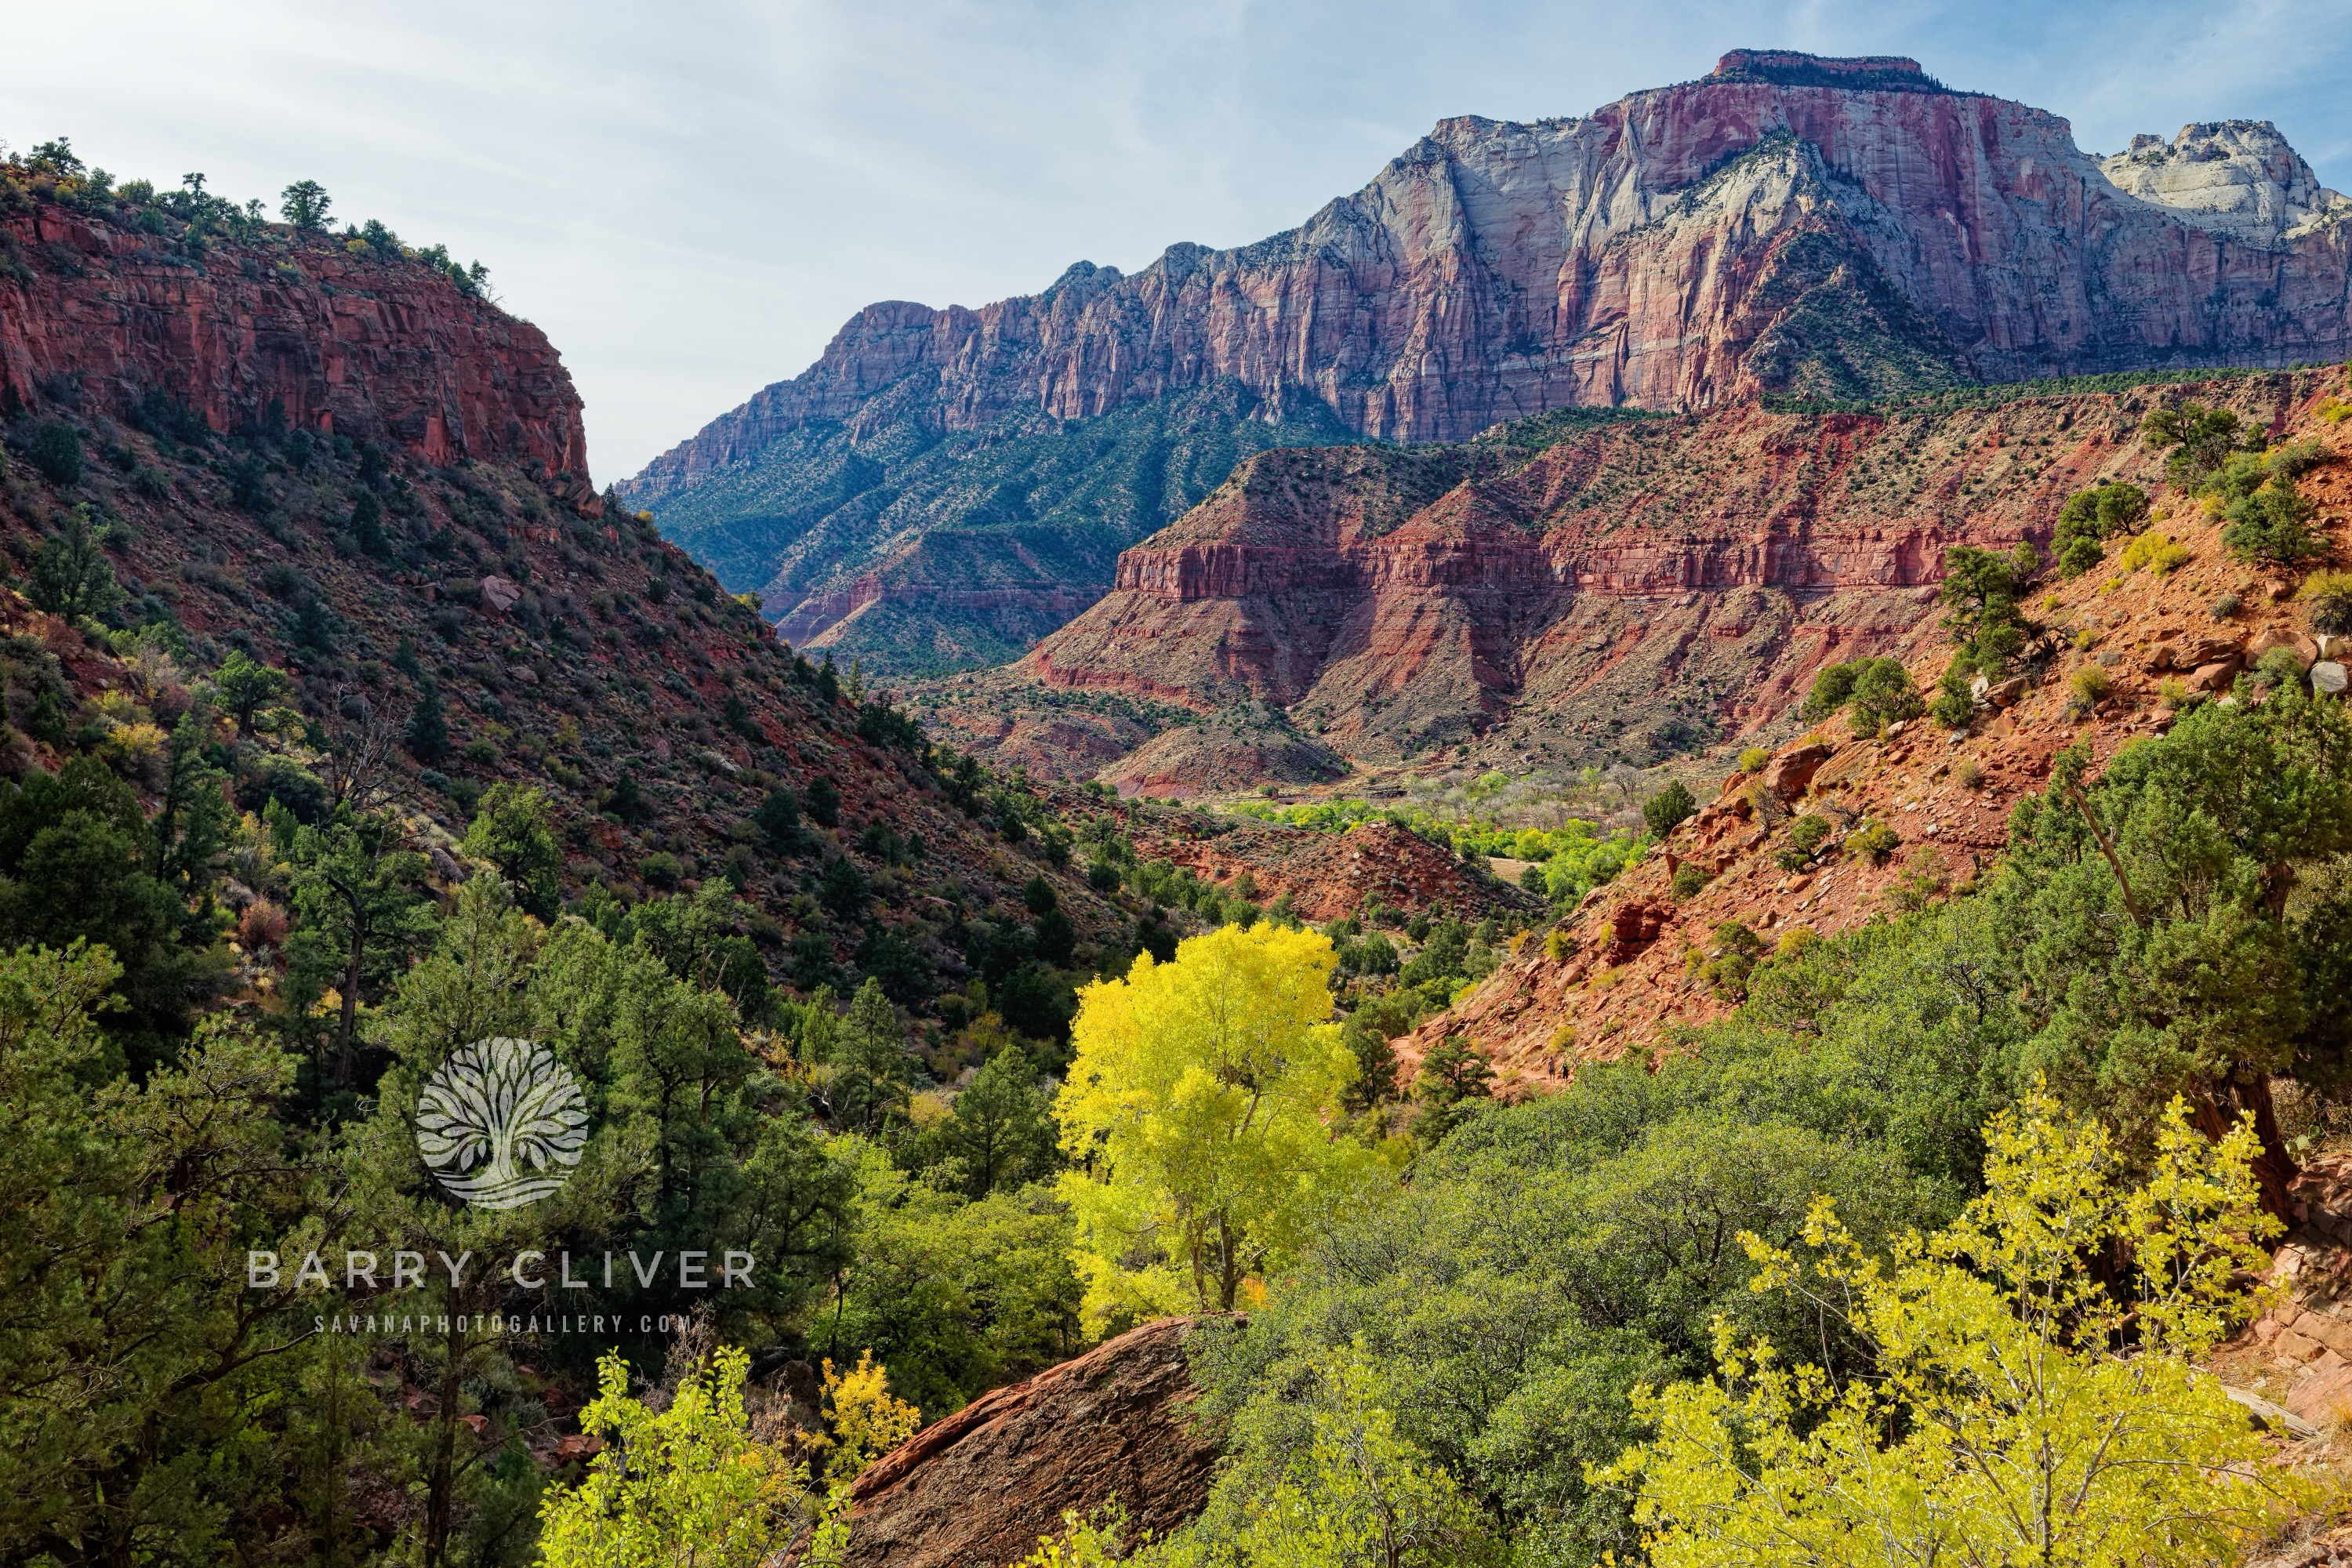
<point>691,198</point>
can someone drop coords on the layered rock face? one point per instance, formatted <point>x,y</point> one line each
<point>2238,178</point>
<point>1633,591</point>
<point>1837,229</point>
<point>95,315</point>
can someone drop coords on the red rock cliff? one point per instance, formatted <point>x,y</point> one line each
<point>1684,575</point>
<point>95,314</point>
<point>1835,227</point>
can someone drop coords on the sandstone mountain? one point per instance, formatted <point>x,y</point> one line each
<point>1553,595</point>
<point>1837,229</point>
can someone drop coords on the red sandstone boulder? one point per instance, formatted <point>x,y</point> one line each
<point>979,1488</point>
<point>1788,774</point>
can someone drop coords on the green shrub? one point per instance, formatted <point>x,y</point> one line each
<point>1669,809</point>
<point>1689,880</point>
<point>2271,526</point>
<point>1809,832</point>
<point>662,869</point>
<point>2327,603</point>
<point>2224,607</point>
<point>2174,693</point>
<point>1954,706</point>
<point>1883,694</point>
<point>1872,841</point>
<point>1830,689</point>
<point>1968,773</point>
<point>1753,759</point>
<point>2085,690</point>
<point>2120,508</point>
<point>2281,667</point>
<point>2080,555</point>
<point>56,451</point>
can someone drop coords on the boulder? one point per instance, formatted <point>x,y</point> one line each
<point>2327,675</point>
<point>1788,774</point>
<point>1633,927</point>
<point>2008,693</point>
<point>500,594</point>
<point>979,1487</point>
<point>2213,677</point>
<point>2279,637</point>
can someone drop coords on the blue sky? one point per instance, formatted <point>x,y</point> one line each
<point>690,197</point>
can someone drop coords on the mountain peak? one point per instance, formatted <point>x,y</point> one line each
<point>1789,67</point>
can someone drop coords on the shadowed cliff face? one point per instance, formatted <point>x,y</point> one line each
<point>1633,591</point>
<point>1836,229</point>
<point>96,315</point>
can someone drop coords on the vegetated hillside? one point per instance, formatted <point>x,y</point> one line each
<point>1799,227</point>
<point>2120,650</point>
<point>1554,594</point>
<point>547,643</point>
<point>343,730</point>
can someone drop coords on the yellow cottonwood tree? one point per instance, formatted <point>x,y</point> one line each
<point>2022,1411</point>
<point>1198,1117</point>
<point>689,1486</point>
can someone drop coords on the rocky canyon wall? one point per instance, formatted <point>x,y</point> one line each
<point>97,313</point>
<point>1631,591</point>
<point>1667,250</point>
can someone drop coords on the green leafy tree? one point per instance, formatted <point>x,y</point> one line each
<point>1883,694</point>
<point>690,1486</point>
<point>2162,949</point>
<point>1669,809</point>
<point>824,801</point>
<point>1830,689</point>
<point>510,832</point>
<point>1454,1077</point>
<point>246,686</point>
<point>137,1373</point>
<point>427,734</point>
<point>479,981</point>
<point>1198,1116</point>
<point>1000,1134</point>
<point>1981,594</point>
<point>78,863</point>
<point>361,906</point>
<point>70,574</point>
<point>192,821</point>
<point>56,451</point>
<point>870,1055</point>
<point>955,1297</point>
<point>2271,526</point>
<point>1356,1493</point>
<point>2002,1423</point>
<point>778,820</point>
<point>305,204</point>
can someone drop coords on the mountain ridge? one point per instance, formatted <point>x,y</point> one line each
<point>1785,224</point>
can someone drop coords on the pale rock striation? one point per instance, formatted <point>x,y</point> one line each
<point>2237,177</point>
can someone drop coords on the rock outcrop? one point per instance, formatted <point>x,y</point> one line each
<point>978,1488</point>
<point>2238,178</point>
<point>1835,229</point>
<point>1625,593</point>
<point>97,314</point>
